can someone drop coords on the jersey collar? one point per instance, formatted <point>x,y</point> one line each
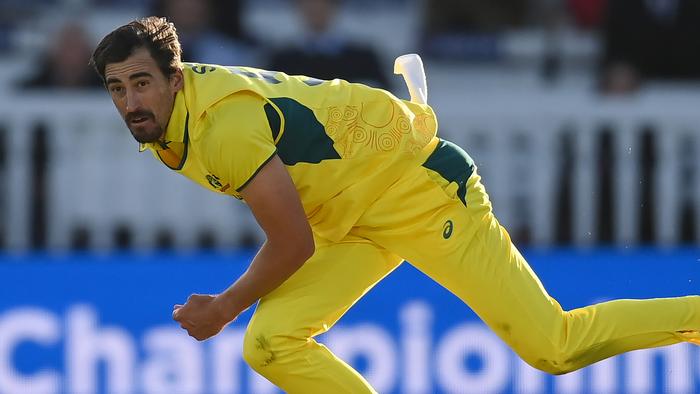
<point>175,132</point>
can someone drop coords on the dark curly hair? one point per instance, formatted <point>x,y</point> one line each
<point>153,33</point>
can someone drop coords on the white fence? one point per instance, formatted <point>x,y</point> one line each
<point>97,180</point>
<point>516,138</point>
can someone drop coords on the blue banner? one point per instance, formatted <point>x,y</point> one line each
<point>102,324</point>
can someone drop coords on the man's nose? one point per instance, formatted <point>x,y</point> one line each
<point>133,101</point>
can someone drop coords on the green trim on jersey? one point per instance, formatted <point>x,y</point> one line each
<point>453,164</point>
<point>304,139</point>
<point>186,141</point>
<point>238,190</point>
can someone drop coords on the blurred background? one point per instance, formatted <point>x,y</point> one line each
<point>580,114</point>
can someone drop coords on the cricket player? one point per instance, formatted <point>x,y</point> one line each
<point>347,182</point>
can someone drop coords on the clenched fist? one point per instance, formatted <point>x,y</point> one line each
<point>202,316</point>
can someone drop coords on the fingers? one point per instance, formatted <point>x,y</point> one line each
<point>195,297</point>
<point>191,331</point>
<point>194,307</point>
<point>176,312</point>
<point>199,334</point>
<point>193,301</point>
<point>187,324</point>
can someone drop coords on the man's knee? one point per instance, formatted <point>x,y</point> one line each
<point>553,365</point>
<point>263,349</point>
<point>555,360</point>
<point>552,354</point>
<point>257,350</point>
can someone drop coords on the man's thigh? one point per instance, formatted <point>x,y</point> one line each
<point>323,289</point>
<point>461,245</point>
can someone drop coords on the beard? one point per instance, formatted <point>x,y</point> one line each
<point>143,126</point>
<point>145,134</point>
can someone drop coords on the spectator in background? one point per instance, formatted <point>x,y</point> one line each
<point>325,54</point>
<point>196,22</point>
<point>64,65</point>
<point>587,14</point>
<point>469,29</point>
<point>648,40</point>
<point>470,16</point>
<point>228,19</point>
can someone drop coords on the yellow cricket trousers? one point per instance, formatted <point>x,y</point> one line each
<point>460,245</point>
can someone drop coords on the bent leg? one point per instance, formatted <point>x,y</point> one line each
<point>462,246</point>
<point>279,342</point>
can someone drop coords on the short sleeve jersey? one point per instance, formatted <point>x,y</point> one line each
<point>342,143</point>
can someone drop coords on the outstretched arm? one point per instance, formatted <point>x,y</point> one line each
<point>274,201</point>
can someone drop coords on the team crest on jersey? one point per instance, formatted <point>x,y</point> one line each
<point>215,182</point>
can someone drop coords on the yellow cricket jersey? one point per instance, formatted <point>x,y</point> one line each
<point>342,143</point>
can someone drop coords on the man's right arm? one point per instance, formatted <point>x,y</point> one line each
<point>242,153</point>
<point>274,201</point>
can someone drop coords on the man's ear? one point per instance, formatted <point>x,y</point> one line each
<point>177,80</point>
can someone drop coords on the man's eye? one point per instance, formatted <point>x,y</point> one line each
<point>142,83</point>
<point>116,89</point>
